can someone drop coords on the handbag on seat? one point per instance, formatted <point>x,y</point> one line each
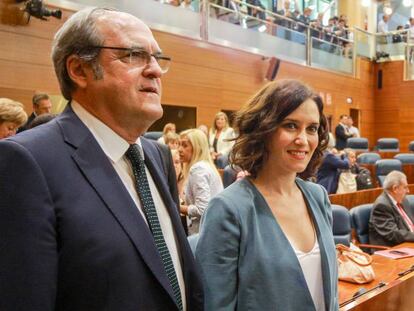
<point>354,265</point>
<point>347,182</point>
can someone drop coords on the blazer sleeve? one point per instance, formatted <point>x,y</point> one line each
<point>198,181</point>
<point>384,224</point>
<point>337,162</point>
<point>28,241</point>
<point>218,254</point>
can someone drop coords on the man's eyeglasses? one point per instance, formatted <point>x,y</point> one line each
<point>139,57</point>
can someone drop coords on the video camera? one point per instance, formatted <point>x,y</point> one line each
<point>37,9</point>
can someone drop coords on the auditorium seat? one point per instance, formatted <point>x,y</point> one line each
<point>368,158</point>
<point>229,176</point>
<point>410,199</point>
<point>341,224</point>
<point>411,146</point>
<point>360,222</point>
<point>357,144</point>
<point>153,135</point>
<point>383,167</point>
<point>405,158</point>
<point>388,145</point>
<point>360,218</point>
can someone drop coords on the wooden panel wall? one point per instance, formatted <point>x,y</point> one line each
<point>394,105</point>
<point>202,75</point>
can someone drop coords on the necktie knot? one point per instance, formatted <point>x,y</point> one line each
<point>134,153</point>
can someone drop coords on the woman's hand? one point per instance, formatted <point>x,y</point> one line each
<point>184,209</point>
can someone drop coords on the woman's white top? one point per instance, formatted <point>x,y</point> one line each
<point>312,270</point>
<point>202,184</point>
<point>223,145</point>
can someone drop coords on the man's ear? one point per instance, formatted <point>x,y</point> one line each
<point>78,71</point>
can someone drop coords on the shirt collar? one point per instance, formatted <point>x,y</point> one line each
<point>113,145</point>
<point>393,201</point>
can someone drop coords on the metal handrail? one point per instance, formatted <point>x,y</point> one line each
<point>322,30</point>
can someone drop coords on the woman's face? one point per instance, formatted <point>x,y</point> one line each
<point>351,157</point>
<point>7,129</point>
<point>177,163</point>
<point>294,141</point>
<point>174,144</point>
<point>185,150</point>
<point>220,122</point>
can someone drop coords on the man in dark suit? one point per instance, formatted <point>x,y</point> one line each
<point>391,220</point>
<point>41,105</point>
<point>92,225</point>
<point>342,133</point>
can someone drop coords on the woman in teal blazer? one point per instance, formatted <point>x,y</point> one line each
<point>266,241</point>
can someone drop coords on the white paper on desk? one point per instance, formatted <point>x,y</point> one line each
<point>396,253</point>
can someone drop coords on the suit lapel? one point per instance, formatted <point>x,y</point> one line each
<point>101,175</point>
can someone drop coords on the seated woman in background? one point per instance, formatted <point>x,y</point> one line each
<point>12,116</point>
<point>201,178</point>
<point>266,241</point>
<point>329,171</point>
<point>219,139</point>
<point>169,127</point>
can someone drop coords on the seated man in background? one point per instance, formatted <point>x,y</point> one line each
<point>391,220</point>
<point>41,105</point>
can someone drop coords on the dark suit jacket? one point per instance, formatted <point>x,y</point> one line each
<point>169,171</point>
<point>71,237</point>
<point>341,137</point>
<point>328,172</point>
<point>26,126</point>
<point>386,225</point>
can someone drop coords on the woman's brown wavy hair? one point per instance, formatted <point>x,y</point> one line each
<point>262,115</point>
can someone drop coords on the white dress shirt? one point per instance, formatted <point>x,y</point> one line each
<point>115,147</point>
<point>354,131</point>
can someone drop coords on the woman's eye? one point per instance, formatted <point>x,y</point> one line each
<point>313,129</point>
<point>290,126</point>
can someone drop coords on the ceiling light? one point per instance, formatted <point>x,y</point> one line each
<point>387,10</point>
<point>365,3</point>
<point>407,3</point>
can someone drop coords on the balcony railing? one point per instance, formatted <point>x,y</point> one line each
<point>254,29</point>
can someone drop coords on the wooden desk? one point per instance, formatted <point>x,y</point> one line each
<point>350,200</point>
<point>396,295</point>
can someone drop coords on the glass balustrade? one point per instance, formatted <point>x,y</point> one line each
<point>238,24</point>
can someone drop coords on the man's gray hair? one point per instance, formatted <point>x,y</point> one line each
<point>393,179</point>
<point>76,36</point>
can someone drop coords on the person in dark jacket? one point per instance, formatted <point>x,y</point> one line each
<point>391,221</point>
<point>328,173</point>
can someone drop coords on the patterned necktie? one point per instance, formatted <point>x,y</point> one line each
<point>144,193</point>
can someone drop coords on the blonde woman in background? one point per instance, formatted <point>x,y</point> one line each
<point>12,116</point>
<point>179,174</point>
<point>219,137</point>
<point>201,178</point>
<point>169,127</point>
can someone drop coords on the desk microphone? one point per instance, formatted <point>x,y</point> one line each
<point>362,291</point>
<point>406,271</point>
<point>359,292</point>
